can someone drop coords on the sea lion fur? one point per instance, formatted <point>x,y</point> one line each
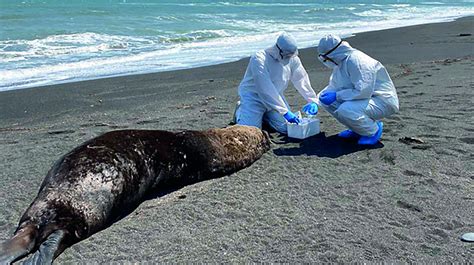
<point>107,177</point>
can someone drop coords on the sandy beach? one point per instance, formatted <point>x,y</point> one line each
<point>316,200</point>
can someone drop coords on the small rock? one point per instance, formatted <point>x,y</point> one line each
<point>182,196</point>
<point>468,237</point>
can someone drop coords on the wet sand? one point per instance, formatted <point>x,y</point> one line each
<point>317,200</point>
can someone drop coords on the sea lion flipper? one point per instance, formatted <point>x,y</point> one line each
<point>47,250</point>
<point>20,245</point>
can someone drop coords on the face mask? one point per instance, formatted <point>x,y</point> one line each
<point>284,61</point>
<point>328,63</point>
<point>285,57</point>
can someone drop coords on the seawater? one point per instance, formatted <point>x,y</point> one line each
<point>56,41</point>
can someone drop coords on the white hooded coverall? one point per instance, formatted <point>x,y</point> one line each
<point>262,89</point>
<point>364,91</point>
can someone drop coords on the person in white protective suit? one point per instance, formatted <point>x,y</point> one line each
<point>360,92</point>
<point>266,78</point>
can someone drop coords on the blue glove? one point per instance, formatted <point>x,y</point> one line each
<point>291,117</point>
<point>327,98</point>
<point>310,108</point>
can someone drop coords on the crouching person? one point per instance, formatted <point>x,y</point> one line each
<point>360,92</point>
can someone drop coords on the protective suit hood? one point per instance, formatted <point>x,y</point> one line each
<point>284,49</point>
<point>340,53</point>
<point>274,52</point>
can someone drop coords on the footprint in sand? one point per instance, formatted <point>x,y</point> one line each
<point>148,121</point>
<point>429,136</point>
<point>61,132</point>
<point>8,142</point>
<point>438,235</point>
<point>467,140</point>
<point>388,156</point>
<point>412,173</point>
<point>402,237</point>
<point>409,206</point>
<point>97,124</point>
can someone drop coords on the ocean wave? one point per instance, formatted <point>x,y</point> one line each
<point>12,17</point>
<point>319,9</point>
<point>400,5</point>
<point>371,13</point>
<point>67,44</point>
<point>168,18</point>
<point>432,3</point>
<point>263,4</point>
<point>197,35</point>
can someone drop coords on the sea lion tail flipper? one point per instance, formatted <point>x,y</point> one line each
<point>20,245</point>
<point>47,250</point>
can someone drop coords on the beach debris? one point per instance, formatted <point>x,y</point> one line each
<point>411,140</point>
<point>406,70</point>
<point>447,61</point>
<point>184,106</point>
<point>409,206</point>
<point>211,80</point>
<point>206,100</point>
<point>467,237</point>
<point>465,34</point>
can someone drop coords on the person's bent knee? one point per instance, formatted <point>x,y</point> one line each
<point>242,119</point>
<point>247,122</point>
<point>280,127</point>
<point>347,112</point>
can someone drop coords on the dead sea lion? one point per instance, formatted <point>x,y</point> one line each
<point>107,177</point>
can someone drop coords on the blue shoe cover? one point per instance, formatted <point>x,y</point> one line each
<point>348,134</point>
<point>371,140</point>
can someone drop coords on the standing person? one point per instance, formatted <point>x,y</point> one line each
<point>360,92</point>
<point>266,78</point>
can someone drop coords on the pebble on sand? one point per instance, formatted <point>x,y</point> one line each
<point>468,237</point>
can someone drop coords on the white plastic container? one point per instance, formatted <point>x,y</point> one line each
<point>308,127</point>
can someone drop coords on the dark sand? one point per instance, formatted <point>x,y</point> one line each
<point>317,200</point>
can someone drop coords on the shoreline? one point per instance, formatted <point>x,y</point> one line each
<point>412,44</point>
<point>351,35</point>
